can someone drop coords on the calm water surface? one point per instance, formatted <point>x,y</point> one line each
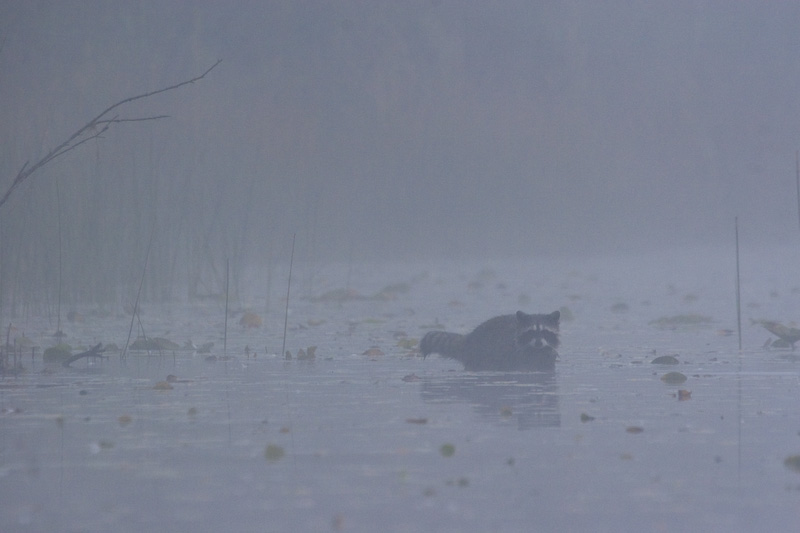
<point>355,442</point>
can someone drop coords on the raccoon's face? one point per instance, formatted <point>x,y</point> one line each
<point>537,331</point>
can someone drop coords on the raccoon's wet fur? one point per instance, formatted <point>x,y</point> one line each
<point>506,343</point>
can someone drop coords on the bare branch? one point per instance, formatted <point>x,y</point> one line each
<point>90,131</point>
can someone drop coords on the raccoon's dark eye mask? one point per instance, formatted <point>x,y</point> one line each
<point>546,335</point>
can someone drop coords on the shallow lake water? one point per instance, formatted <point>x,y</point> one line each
<point>370,436</point>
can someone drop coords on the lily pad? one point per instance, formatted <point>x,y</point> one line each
<point>792,463</point>
<point>273,452</point>
<point>665,360</point>
<point>673,378</point>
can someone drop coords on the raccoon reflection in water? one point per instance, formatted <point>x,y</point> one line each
<point>507,343</point>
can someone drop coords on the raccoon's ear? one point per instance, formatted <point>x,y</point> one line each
<point>555,316</point>
<point>523,318</point>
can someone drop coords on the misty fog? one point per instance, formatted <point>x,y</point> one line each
<point>387,131</point>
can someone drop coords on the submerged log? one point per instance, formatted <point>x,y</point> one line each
<point>95,351</point>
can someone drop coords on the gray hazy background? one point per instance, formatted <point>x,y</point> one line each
<point>387,130</point>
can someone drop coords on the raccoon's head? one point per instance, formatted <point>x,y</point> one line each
<point>537,331</point>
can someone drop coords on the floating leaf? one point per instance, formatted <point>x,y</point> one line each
<point>586,418</point>
<point>792,463</point>
<point>684,395</point>
<point>124,420</point>
<point>417,420</point>
<point>250,320</point>
<point>673,378</point>
<point>634,429</point>
<point>273,452</point>
<point>408,344</point>
<point>447,450</point>
<point>373,351</point>
<point>163,385</point>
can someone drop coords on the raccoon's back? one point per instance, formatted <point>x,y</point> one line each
<point>495,336</point>
<point>441,342</point>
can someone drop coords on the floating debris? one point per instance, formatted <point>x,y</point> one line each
<point>408,343</point>
<point>447,450</point>
<point>58,353</point>
<point>665,360</point>
<point>411,378</point>
<point>338,295</point>
<point>792,463</point>
<point>635,430</point>
<point>620,307</point>
<point>308,355</point>
<point>97,447</point>
<point>787,336</point>
<point>273,452</point>
<point>566,314</point>
<point>586,418</point>
<point>676,321</point>
<point>250,320</point>
<point>154,344</point>
<point>373,351</point>
<point>124,420</point>
<point>172,378</point>
<point>391,292</point>
<point>163,385</point>
<point>417,420</point>
<point>74,316</point>
<point>684,395</point>
<point>673,378</point>
<point>205,347</point>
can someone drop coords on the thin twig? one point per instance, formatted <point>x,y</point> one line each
<point>75,139</point>
<point>225,334</point>
<point>138,294</point>
<point>738,290</point>
<point>288,288</point>
<point>797,180</point>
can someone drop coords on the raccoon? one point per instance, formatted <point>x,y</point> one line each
<point>506,343</point>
